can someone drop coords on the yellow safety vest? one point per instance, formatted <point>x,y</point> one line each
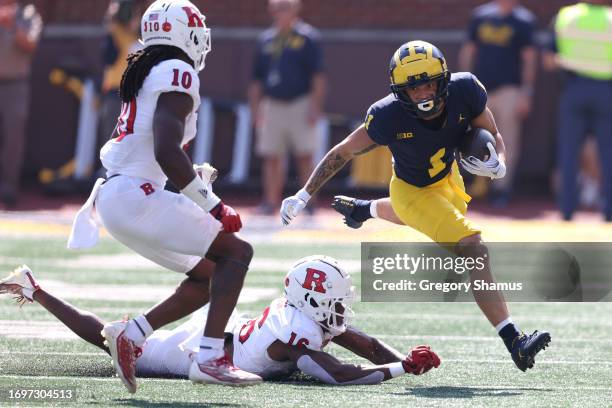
<point>584,40</point>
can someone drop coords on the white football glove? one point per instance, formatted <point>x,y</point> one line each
<point>206,172</point>
<point>292,206</point>
<point>493,167</point>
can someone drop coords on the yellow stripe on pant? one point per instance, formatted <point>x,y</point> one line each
<point>437,210</point>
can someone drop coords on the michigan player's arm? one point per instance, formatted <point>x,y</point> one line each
<point>330,370</point>
<point>355,144</point>
<point>486,121</point>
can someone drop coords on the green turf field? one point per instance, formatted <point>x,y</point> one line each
<point>476,370</point>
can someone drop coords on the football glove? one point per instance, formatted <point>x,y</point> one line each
<point>206,172</point>
<point>493,167</point>
<point>229,218</point>
<point>420,360</point>
<point>292,206</point>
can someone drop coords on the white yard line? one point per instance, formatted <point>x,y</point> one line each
<point>471,386</point>
<point>126,293</point>
<point>446,360</point>
<point>125,261</point>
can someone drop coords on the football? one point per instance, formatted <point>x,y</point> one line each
<point>475,144</point>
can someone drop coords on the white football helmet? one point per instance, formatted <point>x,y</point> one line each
<point>178,23</point>
<point>322,290</point>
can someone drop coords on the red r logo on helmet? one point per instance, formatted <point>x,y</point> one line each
<point>316,277</point>
<point>194,18</point>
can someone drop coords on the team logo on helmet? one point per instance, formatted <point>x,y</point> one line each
<point>416,63</point>
<point>184,27</point>
<point>318,287</point>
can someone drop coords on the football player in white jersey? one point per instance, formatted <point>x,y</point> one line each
<point>161,95</point>
<point>290,334</point>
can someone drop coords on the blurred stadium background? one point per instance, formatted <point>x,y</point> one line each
<point>358,38</point>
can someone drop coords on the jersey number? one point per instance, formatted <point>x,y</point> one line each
<point>301,343</point>
<point>247,329</point>
<point>437,165</point>
<point>125,124</point>
<point>185,79</point>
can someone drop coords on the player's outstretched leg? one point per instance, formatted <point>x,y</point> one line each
<point>522,347</point>
<point>232,256</point>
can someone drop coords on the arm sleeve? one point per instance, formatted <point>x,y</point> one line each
<point>527,34</point>
<point>477,96</point>
<point>31,23</point>
<point>373,124</point>
<point>174,76</point>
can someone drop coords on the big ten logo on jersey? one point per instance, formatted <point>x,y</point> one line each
<point>248,327</point>
<point>314,280</point>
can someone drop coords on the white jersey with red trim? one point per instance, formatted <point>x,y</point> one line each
<point>279,321</point>
<point>131,151</point>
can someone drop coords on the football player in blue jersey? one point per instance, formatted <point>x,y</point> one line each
<point>423,121</point>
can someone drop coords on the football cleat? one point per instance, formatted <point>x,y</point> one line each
<point>345,206</point>
<point>124,353</point>
<point>20,282</point>
<point>526,346</point>
<point>221,371</point>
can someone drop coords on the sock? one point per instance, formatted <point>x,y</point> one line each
<point>210,348</point>
<point>138,329</point>
<point>361,212</point>
<point>508,332</point>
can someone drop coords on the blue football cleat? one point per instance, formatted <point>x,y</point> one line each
<point>345,206</point>
<point>526,346</point>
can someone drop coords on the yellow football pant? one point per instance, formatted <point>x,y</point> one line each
<point>437,210</point>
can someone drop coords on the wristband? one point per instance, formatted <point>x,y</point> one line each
<point>303,195</point>
<point>200,194</point>
<point>396,369</point>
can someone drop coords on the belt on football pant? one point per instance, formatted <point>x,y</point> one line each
<point>460,192</point>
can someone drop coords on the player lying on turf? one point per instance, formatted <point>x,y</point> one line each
<point>290,334</point>
<point>422,122</point>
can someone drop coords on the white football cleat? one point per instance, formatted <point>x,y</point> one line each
<point>221,371</point>
<point>124,353</point>
<point>20,282</point>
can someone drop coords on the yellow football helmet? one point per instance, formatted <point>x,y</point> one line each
<point>416,63</point>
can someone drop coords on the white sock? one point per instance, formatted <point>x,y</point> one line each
<point>138,329</point>
<point>211,348</point>
<point>503,324</point>
<point>373,210</point>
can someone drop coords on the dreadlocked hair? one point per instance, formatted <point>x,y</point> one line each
<point>140,64</point>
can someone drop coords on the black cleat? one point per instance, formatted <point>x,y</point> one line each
<point>345,206</point>
<point>526,346</point>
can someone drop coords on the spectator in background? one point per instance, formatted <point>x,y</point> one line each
<point>500,51</point>
<point>20,28</point>
<point>582,47</point>
<point>123,26</point>
<point>286,97</point>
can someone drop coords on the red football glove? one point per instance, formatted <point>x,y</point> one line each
<point>420,360</point>
<point>228,217</point>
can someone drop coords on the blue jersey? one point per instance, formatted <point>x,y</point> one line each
<point>285,65</point>
<point>422,155</point>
